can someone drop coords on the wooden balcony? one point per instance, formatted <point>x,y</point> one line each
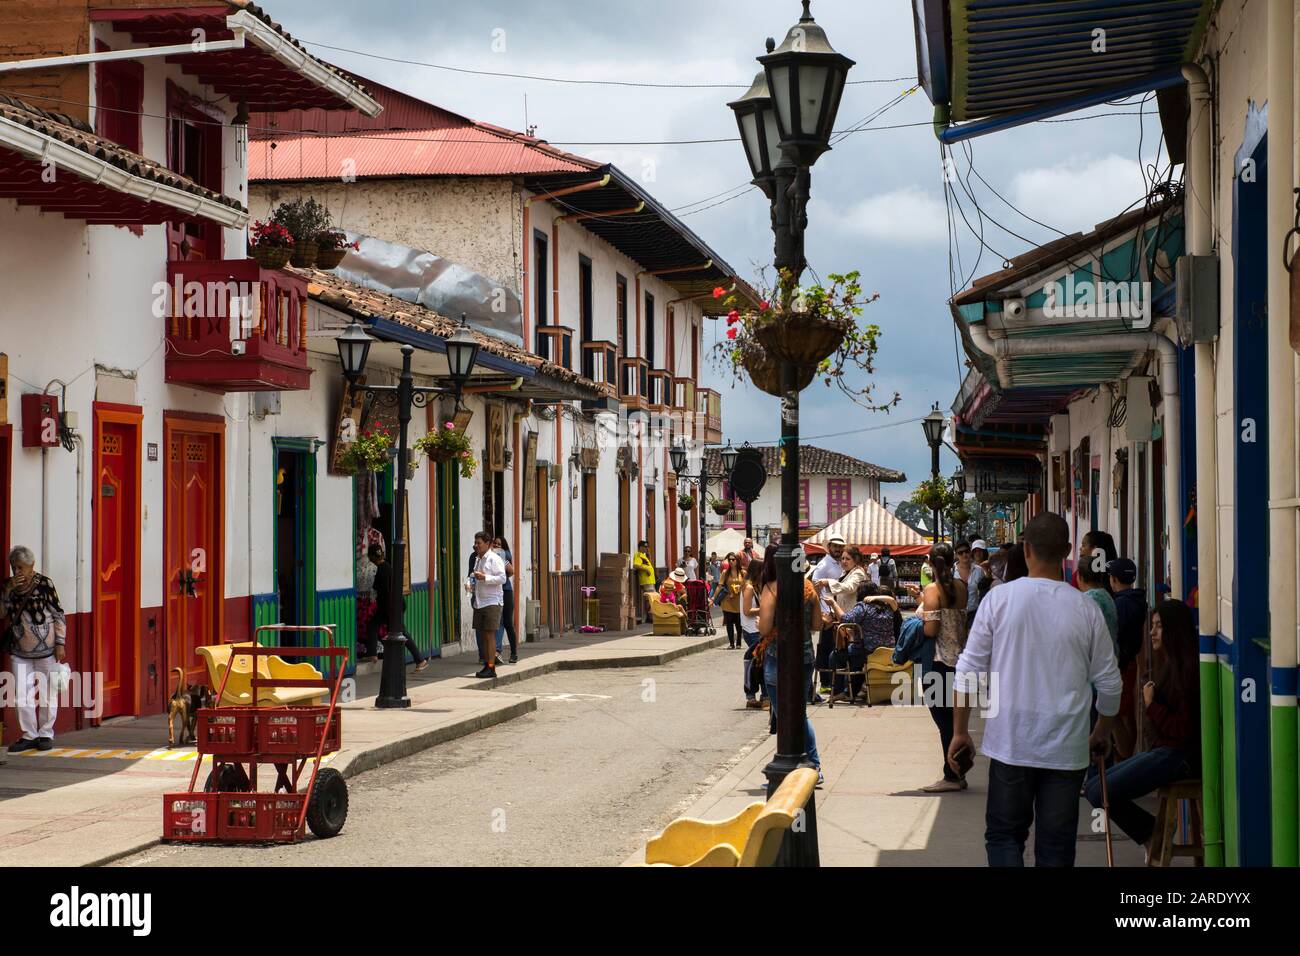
<point>708,404</point>
<point>660,394</point>
<point>555,345</point>
<point>235,327</point>
<point>600,363</point>
<point>633,382</point>
<point>684,407</point>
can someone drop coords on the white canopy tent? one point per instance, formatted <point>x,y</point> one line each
<point>727,540</point>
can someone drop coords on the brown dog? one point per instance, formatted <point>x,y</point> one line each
<point>184,706</point>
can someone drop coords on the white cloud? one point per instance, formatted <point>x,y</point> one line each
<point>909,215</point>
<point>1075,196</point>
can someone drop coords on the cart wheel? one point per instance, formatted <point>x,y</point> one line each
<point>328,809</point>
<point>232,779</point>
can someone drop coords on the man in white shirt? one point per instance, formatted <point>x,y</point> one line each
<point>486,586</point>
<point>873,569</point>
<point>828,569</point>
<point>1045,649</point>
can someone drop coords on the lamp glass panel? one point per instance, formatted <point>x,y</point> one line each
<point>812,88</point>
<point>779,81</point>
<point>837,93</point>
<point>753,149</point>
<point>773,139</point>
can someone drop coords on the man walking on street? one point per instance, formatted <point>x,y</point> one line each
<point>486,584</point>
<point>1045,649</point>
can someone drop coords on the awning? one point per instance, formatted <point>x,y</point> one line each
<point>1002,63</point>
<point>56,163</point>
<point>271,72</point>
<point>869,526</point>
<point>500,367</point>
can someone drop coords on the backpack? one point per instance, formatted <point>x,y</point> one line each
<point>888,572</point>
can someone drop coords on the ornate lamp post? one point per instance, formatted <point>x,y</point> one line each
<point>933,426</point>
<point>795,100</point>
<point>958,481</point>
<point>354,347</point>
<point>678,458</point>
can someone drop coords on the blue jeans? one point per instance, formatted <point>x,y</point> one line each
<point>1020,797</point>
<point>1133,778</point>
<point>769,683</point>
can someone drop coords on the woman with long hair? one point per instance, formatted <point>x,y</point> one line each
<point>1095,553</point>
<point>733,579</point>
<point>1173,707</point>
<point>754,686</point>
<point>767,626</point>
<point>943,609</point>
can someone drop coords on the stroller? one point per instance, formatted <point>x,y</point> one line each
<point>699,616</point>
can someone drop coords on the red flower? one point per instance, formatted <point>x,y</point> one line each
<point>764,305</point>
<point>731,333</point>
<point>733,317</point>
<point>719,292</point>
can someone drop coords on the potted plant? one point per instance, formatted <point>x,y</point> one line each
<point>817,329</point>
<point>270,244</point>
<point>305,219</point>
<point>370,452</point>
<point>723,507</point>
<point>448,443</point>
<point>331,246</point>
<point>685,502</point>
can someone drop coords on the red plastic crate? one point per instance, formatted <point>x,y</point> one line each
<point>190,817</point>
<point>296,731</point>
<point>258,817</point>
<point>226,730</point>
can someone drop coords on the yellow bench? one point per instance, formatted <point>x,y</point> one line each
<point>750,838</point>
<point>239,689</point>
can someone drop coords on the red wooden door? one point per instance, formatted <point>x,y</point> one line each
<point>117,558</point>
<point>193,557</point>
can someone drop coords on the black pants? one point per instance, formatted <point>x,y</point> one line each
<point>941,713</point>
<point>1020,797</point>
<point>825,644</point>
<point>732,620</point>
<point>372,645</point>
<point>855,655</point>
<point>508,620</point>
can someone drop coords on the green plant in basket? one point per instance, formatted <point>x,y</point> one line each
<point>449,443</point>
<point>370,452</point>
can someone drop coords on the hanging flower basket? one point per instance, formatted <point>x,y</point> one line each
<point>723,508</point>
<point>765,372</point>
<point>800,337</point>
<point>271,245</point>
<point>272,257</point>
<point>331,247</point>
<point>304,254</point>
<point>686,502</point>
<point>370,452</point>
<point>448,444</point>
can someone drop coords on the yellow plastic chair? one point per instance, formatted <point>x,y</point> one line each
<point>880,668</point>
<point>239,691</point>
<point>750,838</point>
<point>667,618</point>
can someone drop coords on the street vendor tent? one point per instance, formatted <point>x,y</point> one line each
<point>727,540</point>
<point>870,527</point>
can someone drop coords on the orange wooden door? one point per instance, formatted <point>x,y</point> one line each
<point>117,562</point>
<point>193,558</point>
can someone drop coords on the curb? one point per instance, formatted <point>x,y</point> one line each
<point>594,663</point>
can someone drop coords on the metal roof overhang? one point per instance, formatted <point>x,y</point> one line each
<point>654,237</point>
<point>270,73</point>
<point>1004,63</point>
<point>489,370</point>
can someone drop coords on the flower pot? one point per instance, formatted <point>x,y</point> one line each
<point>442,454</point>
<point>723,508</point>
<point>765,373</point>
<point>684,506</point>
<point>329,258</point>
<point>801,338</point>
<point>304,254</point>
<point>271,257</point>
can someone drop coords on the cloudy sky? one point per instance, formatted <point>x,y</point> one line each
<point>878,198</point>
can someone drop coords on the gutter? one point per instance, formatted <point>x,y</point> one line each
<point>43,148</point>
<point>1006,348</point>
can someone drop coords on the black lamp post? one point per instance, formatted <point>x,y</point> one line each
<point>959,485</point>
<point>933,425</point>
<point>797,99</point>
<point>677,457</point>
<point>354,347</point>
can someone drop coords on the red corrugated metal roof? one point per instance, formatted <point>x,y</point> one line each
<point>469,151</point>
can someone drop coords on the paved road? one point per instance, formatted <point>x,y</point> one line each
<point>583,781</point>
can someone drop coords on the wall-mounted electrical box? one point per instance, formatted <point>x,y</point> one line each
<point>40,420</point>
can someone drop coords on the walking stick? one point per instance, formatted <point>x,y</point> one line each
<point>1105,810</point>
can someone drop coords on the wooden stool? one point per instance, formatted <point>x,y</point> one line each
<point>1163,848</point>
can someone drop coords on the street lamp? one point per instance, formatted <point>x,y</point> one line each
<point>933,426</point>
<point>729,459</point>
<point>354,348</point>
<point>959,485</point>
<point>797,99</point>
<point>677,457</point>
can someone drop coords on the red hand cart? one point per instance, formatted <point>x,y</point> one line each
<point>230,808</point>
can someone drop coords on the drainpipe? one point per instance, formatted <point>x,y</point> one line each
<point>1104,492</point>
<point>1006,348</point>
<point>1200,242</point>
<point>1281,436</point>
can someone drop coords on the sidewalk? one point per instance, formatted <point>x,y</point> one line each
<point>95,797</point>
<point>871,811</point>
